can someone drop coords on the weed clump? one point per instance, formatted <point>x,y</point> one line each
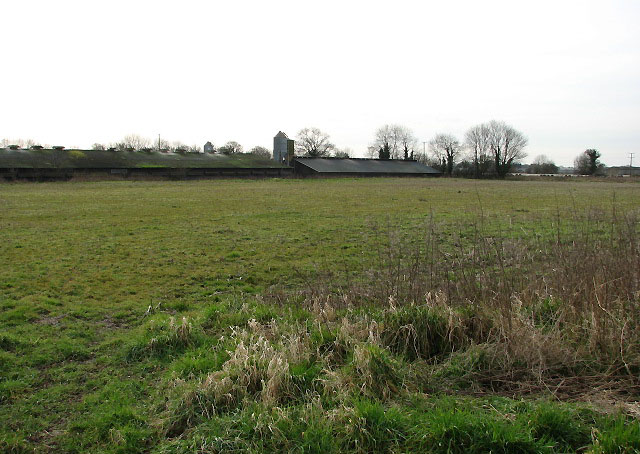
<point>377,373</point>
<point>257,369</point>
<point>421,332</point>
<point>165,339</point>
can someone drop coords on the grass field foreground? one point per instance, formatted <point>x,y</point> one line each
<point>365,315</point>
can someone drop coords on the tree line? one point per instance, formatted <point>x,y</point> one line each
<point>134,142</point>
<point>488,149</point>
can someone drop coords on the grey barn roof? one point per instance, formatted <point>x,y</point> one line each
<point>351,165</point>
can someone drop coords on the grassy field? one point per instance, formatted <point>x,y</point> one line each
<point>365,315</point>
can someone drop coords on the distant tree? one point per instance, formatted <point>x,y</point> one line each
<point>477,144</point>
<point>344,153</point>
<point>98,146</point>
<point>132,142</point>
<point>446,148</point>
<point>588,163</point>
<point>162,145</point>
<point>385,151</point>
<point>423,157</point>
<point>313,142</point>
<point>465,168</point>
<point>398,139</point>
<point>263,152</point>
<point>506,145</point>
<point>542,164</point>
<point>194,149</point>
<point>594,160</point>
<point>230,147</point>
<point>581,164</point>
<point>136,142</point>
<point>21,143</point>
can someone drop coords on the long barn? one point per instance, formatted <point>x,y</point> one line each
<point>360,167</point>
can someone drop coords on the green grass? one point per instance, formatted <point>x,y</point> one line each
<point>91,275</point>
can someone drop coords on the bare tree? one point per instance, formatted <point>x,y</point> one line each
<point>136,142</point>
<point>446,148</point>
<point>313,142</point>
<point>542,164</point>
<point>163,145</point>
<point>398,140</point>
<point>506,145</point>
<point>343,153</point>
<point>263,152</point>
<point>477,144</point>
<point>179,147</point>
<point>98,147</point>
<point>230,147</point>
<point>132,142</point>
<point>21,143</point>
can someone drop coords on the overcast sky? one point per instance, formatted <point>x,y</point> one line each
<point>565,73</point>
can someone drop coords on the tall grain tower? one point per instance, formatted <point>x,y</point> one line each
<point>282,149</point>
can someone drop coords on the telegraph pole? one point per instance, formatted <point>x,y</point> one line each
<point>158,143</point>
<point>631,163</point>
<point>424,148</point>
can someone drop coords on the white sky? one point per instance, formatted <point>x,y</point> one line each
<point>566,73</point>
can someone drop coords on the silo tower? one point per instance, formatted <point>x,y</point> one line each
<point>282,149</point>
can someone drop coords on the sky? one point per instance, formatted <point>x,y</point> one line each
<point>565,73</point>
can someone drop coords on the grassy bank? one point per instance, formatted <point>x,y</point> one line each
<point>329,315</point>
<point>64,159</point>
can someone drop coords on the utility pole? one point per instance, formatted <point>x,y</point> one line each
<point>158,143</point>
<point>631,163</point>
<point>424,148</point>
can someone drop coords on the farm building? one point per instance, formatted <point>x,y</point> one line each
<point>623,171</point>
<point>282,149</point>
<point>360,167</point>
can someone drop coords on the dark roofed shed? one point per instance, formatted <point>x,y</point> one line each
<point>362,167</point>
